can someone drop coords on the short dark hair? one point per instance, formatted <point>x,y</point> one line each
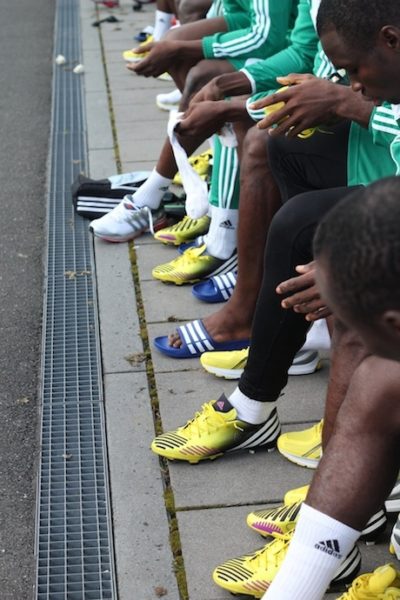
<point>359,241</point>
<point>358,22</point>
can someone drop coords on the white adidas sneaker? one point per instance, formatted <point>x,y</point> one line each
<point>125,222</point>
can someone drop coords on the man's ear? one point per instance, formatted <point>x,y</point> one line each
<point>391,321</point>
<point>390,37</point>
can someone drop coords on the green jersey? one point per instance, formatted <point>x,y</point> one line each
<point>256,29</point>
<point>384,126</point>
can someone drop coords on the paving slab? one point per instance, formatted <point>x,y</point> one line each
<point>102,162</point>
<point>158,308</point>
<point>122,347</point>
<point>142,547</point>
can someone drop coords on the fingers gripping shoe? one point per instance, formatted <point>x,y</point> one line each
<point>282,520</point>
<point>187,229</point>
<point>131,56</point>
<point>303,447</point>
<point>252,574</point>
<point>126,222</point>
<point>215,430</point>
<point>189,267</point>
<point>382,584</point>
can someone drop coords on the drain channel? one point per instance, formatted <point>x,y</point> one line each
<point>74,550</point>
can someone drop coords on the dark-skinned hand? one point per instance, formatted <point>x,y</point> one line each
<point>303,295</point>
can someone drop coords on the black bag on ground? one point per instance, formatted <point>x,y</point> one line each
<point>93,198</point>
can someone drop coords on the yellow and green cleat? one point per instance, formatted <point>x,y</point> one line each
<point>189,267</point>
<point>186,230</point>
<point>214,431</point>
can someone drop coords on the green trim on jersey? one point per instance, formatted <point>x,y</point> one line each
<point>298,57</point>
<point>384,126</point>
<point>256,29</point>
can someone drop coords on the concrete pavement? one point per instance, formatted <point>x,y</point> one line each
<point>172,523</point>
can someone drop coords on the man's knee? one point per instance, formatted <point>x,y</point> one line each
<point>373,395</point>
<point>198,76</point>
<point>255,146</point>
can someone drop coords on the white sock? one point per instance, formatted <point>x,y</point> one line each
<point>162,24</point>
<point>150,193</point>
<point>248,410</point>
<point>318,547</point>
<point>222,235</point>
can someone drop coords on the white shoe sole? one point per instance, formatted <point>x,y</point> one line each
<point>166,106</point>
<point>225,373</point>
<point>306,368</point>
<point>302,461</point>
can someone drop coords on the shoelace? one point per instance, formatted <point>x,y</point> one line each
<point>205,421</point>
<point>191,255</point>
<point>272,554</point>
<point>120,214</point>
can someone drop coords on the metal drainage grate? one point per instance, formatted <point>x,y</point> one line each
<point>73,534</point>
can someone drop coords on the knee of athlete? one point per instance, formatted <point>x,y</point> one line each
<point>255,147</point>
<point>196,78</point>
<point>374,391</point>
<point>279,234</point>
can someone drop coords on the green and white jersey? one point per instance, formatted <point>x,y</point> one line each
<point>385,128</point>
<point>297,57</point>
<point>216,9</point>
<point>256,29</point>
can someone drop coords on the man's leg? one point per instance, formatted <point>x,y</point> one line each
<point>353,479</point>
<point>306,163</point>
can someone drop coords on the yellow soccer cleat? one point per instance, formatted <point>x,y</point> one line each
<point>189,267</point>
<point>282,520</point>
<point>131,56</point>
<point>186,230</point>
<point>303,447</point>
<point>228,364</point>
<point>213,431</point>
<point>271,521</point>
<point>252,574</point>
<point>296,495</point>
<point>382,584</point>
<point>201,163</point>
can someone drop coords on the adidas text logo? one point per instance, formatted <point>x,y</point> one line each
<point>226,224</point>
<point>330,547</point>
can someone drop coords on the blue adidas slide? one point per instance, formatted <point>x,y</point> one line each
<point>195,340</point>
<point>215,289</point>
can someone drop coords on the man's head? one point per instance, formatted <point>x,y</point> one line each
<point>357,249</point>
<point>363,37</point>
